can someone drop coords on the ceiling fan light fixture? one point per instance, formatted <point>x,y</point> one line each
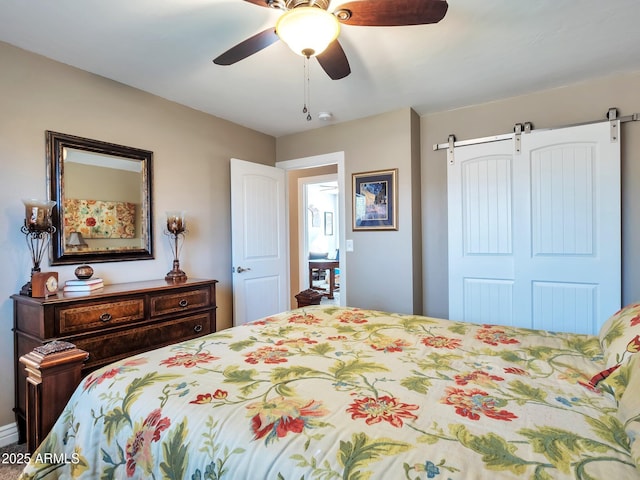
<point>307,31</point>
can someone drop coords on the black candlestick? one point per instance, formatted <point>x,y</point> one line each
<point>37,238</point>
<point>176,275</point>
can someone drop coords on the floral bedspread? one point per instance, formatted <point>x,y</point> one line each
<point>341,393</point>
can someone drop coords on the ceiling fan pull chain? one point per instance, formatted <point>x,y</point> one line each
<point>308,89</point>
<point>307,86</point>
<point>304,87</point>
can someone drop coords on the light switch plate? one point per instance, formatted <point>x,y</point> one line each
<point>349,245</point>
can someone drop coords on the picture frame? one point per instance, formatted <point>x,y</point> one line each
<point>375,200</point>
<point>328,223</point>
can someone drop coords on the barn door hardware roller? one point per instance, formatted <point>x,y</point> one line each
<point>518,129</point>
<point>612,116</point>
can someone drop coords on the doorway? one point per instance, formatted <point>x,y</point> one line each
<point>319,220</point>
<point>297,256</point>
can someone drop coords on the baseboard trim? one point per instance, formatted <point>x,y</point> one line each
<point>8,434</point>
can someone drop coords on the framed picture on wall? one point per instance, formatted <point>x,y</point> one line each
<point>328,223</point>
<point>375,200</point>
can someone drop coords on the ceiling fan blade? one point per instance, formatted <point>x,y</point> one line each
<point>383,13</point>
<point>260,3</point>
<point>334,61</point>
<point>250,46</point>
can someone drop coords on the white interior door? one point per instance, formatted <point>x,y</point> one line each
<point>535,236</point>
<point>258,241</point>
<point>570,270</point>
<point>481,266</point>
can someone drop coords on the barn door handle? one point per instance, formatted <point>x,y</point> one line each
<point>240,269</point>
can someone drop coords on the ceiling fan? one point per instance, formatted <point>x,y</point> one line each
<point>297,27</point>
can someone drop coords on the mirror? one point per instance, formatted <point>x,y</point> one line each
<point>103,207</point>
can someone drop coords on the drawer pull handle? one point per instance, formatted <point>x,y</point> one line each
<point>183,303</point>
<point>197,328</point>
<point>105,317</point>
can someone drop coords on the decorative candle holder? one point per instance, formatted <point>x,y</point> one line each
<point>176,230</point>
<point>37,229</point>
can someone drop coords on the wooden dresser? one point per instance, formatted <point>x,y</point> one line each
<point>111,323</point>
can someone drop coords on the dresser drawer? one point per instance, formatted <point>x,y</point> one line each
<point>86,317</point>
<point>172,303</point>
<point>108,348</point>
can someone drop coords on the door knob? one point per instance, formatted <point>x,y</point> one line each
<point>240,269</point>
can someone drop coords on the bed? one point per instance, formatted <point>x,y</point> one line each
<point>344,393</point>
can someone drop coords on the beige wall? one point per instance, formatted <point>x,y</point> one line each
<point>574,104</point>
<point>383,267</point>
<point>416,214</point>
<point>381,142</point>
<point>191,172</point>
<point>401,271</point>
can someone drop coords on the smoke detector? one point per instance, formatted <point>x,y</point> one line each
<point>325,116</point>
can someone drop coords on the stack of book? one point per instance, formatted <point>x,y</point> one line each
<point>83,285</point>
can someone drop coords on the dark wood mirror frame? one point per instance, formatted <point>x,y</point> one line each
<point>58,145</point>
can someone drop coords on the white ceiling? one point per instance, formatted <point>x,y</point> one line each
<point>482,50</point>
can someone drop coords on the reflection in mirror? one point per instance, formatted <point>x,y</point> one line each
<point>103,194</point>
<point>106,213</point>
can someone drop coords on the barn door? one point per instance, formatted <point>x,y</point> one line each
<point>534,236</point>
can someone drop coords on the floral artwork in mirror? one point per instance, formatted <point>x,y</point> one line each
<point>103,193</point>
